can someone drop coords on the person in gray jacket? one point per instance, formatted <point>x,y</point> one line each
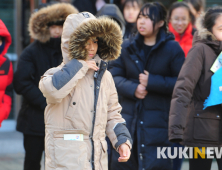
<point>112,11</point>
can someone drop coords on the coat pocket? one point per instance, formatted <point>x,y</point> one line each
<point>69,154</point>
<point>74,102</point>
<point>206,128</point>
<point>103,156</point>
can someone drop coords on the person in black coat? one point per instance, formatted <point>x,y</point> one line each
<point>35,60</point>
<point>145,75</point>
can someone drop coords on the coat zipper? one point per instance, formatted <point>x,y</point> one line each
<point>94,117</point>
<point>97,75</point>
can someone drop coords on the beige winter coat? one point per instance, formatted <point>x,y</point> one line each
<point>78,103</point>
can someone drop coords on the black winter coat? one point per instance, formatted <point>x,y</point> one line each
<point>147,119</point>
<point>34,61</point>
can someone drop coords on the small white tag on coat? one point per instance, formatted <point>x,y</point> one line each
<point>78,137</point>
<point>220,88</point>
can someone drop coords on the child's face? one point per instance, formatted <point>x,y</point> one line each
<point>217,28</point>
<point>55,31</point>
<point>145,25</point>
<point>131,11</point>
<point>92,47</point>
<point>180,19</point>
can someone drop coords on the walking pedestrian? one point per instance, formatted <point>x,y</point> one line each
<point>180,24</point>
<point>188,122</point>
<point>145,75</point>
<point>6,74</point>
<point>45,26</point>
<point>82,99</point>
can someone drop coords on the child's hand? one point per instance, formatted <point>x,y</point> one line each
<point>141,91</point>
<point>124,152</point>
<point>92,65</point>
<point>143,78</point>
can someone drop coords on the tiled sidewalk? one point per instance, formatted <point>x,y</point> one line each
<point>14,162</point>
<point>11,161</point>
<point>12,151</point>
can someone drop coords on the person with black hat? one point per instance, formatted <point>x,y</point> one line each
<point>45,26</point>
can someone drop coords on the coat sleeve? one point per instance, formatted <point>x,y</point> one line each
<point>124,86</point>
<point>7,97</point>
<point>163,84</point>
<point>116,128</point>
<point>58,82</point>
<point>183,92</point>
<point>23,81</point>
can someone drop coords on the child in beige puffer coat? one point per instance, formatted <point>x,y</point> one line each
<point>82,100</point>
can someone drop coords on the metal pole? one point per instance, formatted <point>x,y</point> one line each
<point>32,6</point>
<point>18,46</point>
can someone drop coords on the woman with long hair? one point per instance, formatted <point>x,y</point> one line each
<point>144,76</point>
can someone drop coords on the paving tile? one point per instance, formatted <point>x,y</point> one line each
<point>14,161</point>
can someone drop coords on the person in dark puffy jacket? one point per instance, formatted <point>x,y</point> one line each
<point>6,74</point>
<point>145,75</point>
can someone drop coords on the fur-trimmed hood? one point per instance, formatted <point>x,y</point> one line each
<point>206,37</point>
<point>8,40</point>
<point>77,30</point>
<point>38,22</point>
<point>203,33</point>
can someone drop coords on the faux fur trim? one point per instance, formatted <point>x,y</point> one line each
<point>108,33</point>
<point>38,27</point>
<point>203,33</point>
